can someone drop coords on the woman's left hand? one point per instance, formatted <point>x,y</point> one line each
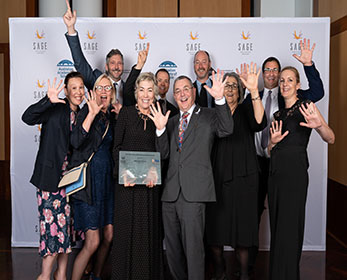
<point>252,78</point>
<point>152,178</point>
<point>311,116</point>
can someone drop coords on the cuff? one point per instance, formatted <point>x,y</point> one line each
<point>160,132</point>
<point>220,101</point>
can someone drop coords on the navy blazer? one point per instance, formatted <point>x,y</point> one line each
<point>315,91</point>
<point>54,141</point>
<point>90,76</point>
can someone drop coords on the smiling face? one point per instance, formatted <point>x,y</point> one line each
<point>74,92</point>
<point>184,94</point>
<point>289,85</point>
<point>114,67</point>
<point>202,66</point>
<point>271,74</point>
<point>231,92</point>
<point>103,93</point>
<point>163,81</point>
<point>145,94</point>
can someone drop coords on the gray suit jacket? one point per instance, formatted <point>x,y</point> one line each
<point>190,170</point>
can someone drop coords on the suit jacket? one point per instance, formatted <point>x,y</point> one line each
<point>197,97</point>
<point>190,169</point>
<point>169,106</point>
<point>54,141</point>
<point>90,76</point>
<point>315,92</point>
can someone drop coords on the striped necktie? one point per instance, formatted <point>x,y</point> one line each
<point>182,128</point>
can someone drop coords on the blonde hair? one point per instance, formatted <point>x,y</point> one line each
<point>104,76</point>
<point>147,76</point>
<point>294,70</point>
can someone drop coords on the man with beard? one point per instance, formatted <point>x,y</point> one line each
<point>114,63</point>
<point>163,80</point>
<point>202,66</point>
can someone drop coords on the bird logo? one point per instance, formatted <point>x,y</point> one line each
<point>38,35</point>
<point>142,36</point>
<point>194,37</point>
<point>297,37</point>
<point>245,37</point>
<point>91,36</point>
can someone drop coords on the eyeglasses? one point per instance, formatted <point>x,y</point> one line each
<point>106,88</point>
<point>185,90</point>
<point>271,70</point>
<point>230,86</point>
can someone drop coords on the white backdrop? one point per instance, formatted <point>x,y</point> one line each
<point>39,51</point>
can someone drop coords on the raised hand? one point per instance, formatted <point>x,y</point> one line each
<point>70,19</point>
<point>142,57</point>
<point>252,77</point>
<point>306,52</point>
<point>276,133</point>
<point>93,106</point>
<point>53,91</point>
<point>157,116</point>
<point>217,90</point>
<point>116,107</point>
<point>312,118</point>
<point>243,74</point>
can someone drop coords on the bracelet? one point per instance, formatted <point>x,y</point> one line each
<point>256,98</point>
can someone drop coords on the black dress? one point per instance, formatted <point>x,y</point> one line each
<point>288,183</point>
<point>233,220</point>
<point>137,240</point>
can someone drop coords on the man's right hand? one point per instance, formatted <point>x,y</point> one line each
<point>70,19</point>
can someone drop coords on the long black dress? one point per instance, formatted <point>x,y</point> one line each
<point>232,220</point>
<point>288,183</point>
<point>137,240</point>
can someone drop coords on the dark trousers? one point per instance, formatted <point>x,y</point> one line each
<point>264,164</point>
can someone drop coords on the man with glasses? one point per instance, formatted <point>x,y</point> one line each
<point>272,102</point>
<point>202,69</point>
<point>186,140</point>
<point>114,63</point>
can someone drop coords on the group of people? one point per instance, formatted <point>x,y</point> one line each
<point>225,148</point>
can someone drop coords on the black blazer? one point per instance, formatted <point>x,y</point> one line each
<point>54,141</point>
<point>84,144</point>
<point>90,76</point>
<point>315,92</point>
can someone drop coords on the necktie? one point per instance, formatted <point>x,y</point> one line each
<point>265,133</point>
<point>203,96</point>
<point>116,91</point>
<point>182,128</point>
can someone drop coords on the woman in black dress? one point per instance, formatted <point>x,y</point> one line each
<point>137,242</point>
<point>93,206</point>
<point>232,220</point>
<point>288,181</point>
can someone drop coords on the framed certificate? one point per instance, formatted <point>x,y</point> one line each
<point>139,167</point>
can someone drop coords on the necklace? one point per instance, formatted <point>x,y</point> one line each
<point>142,116</point>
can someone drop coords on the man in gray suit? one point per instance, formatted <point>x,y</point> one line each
<point>187,140</point>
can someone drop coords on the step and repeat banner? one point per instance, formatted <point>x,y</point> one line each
<point>39,51</point>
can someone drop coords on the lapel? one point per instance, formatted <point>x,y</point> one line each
<point>176,122</point>
<point>192,123</point>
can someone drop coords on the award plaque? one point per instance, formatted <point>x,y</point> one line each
<point>139,168</point>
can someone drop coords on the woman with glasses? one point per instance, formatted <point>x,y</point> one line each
<point>232,220</point>
<point>137,242</point>
<point>93,205</point>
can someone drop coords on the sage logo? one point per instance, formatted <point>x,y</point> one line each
<point>193,45</point>
<point>64,67</point>
<point>141,44</point>
<point>294,45</point>
<point>39,91</point>
<point>39,44</point>
<point>90,44</point>
<point>170,67</point>
<point>245,45</point>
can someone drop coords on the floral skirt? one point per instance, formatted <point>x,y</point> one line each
<point>54,218</point>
